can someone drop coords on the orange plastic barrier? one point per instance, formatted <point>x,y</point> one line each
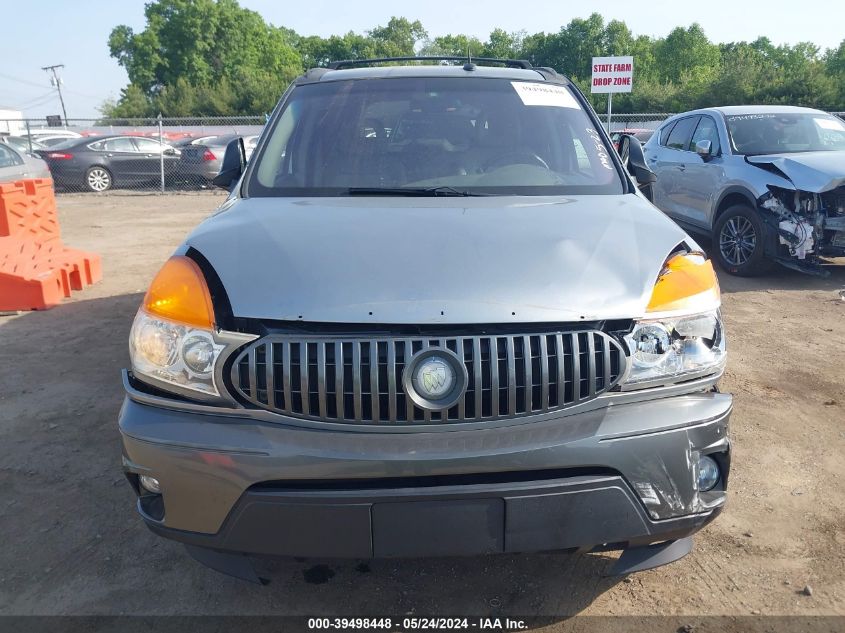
<point>28,210</point>
<point>36,270</point>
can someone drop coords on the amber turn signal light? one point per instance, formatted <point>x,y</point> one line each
<point>687,282</point>
<point>179,293</point>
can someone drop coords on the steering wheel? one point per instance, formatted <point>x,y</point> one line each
<point>519,157</point>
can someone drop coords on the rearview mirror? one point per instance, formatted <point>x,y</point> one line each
<point>703,149</point>
<point>633,158</point>
<point>234,161</point>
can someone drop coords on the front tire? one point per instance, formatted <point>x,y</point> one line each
<point>739,242</point>
<point>98,179</point>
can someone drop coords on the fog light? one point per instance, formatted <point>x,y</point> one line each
<point>708,473</point>
<point>150,484</point>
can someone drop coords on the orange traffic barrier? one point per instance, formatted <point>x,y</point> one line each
<point>36,270</point>
<point>28,210</point>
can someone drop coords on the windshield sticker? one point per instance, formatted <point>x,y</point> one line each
<point>601,152</point>
<point>534,94</point>
<point>830,124</point>
<point>749,117</point>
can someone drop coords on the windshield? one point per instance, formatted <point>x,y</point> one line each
<point>776,133</point>
<point>450,136</point>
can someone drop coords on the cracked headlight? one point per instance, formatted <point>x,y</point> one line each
<point>671,350</point>
<point>681,335</point>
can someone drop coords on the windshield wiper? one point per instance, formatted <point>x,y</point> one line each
<point>410,191</point>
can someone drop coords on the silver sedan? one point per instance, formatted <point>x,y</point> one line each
<point>15,165</point>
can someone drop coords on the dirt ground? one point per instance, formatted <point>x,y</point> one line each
<point>72,544</point>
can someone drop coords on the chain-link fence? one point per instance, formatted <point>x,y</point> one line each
<point>100,155</point>
<point>169,154</point>
<point>636,121</point>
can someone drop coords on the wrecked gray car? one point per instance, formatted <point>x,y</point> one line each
<point>434,317</point>
<point>766,182</point>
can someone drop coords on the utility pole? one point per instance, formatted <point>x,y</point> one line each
<point>58,83</point>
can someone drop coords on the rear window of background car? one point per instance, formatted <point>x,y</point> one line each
<point>149,146</point>
<point>119,145</point>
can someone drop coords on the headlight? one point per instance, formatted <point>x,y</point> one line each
<point>173,335</point>
<point>671,350</point>
<point>681,336</point>
<point>180,355</point>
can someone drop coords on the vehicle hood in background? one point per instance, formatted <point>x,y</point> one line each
<point>438,260</point>
<point>815,172</point>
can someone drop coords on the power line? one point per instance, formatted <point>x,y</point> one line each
<point>36,104</point>
<point>32,83</point>
<point>22,81</point>
<point>35,100</point>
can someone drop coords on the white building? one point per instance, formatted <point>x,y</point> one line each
<point>11,122</point>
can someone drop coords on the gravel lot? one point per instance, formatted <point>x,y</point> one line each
<point>73,545</point>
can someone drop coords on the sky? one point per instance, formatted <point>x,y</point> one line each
<point>46,32</point>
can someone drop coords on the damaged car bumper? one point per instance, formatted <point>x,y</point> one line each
<point>621,472</point>
<point>806,223</point>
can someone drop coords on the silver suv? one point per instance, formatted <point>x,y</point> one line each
<point>434,317</point>
<point>766,182</point>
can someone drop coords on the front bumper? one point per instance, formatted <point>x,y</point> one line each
<point>619,476</point>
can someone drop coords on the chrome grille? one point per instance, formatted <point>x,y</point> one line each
<point>358,380</point>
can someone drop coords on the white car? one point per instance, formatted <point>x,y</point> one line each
<point>44,133</point>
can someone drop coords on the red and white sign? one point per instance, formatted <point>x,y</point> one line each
<point>612,74</point>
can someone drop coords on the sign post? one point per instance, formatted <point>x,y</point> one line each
<point>612,74</point>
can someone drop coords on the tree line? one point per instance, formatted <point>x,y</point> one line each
<point>216,58</point>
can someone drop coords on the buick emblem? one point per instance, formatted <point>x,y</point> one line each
<point>435,379</point>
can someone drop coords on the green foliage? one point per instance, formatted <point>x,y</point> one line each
<point>208,57</point>
<point>399,38</point>
<point>213,57</point>
<point>133,103</point>
<point>454,45</point>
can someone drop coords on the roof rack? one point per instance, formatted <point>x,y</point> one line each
<point>510,63</point>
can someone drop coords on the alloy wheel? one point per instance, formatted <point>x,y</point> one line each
<point>98,179</point>
<point>737,241</point>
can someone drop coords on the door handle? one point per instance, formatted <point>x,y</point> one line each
<point>109,155</point>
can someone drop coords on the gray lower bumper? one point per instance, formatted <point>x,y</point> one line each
<point>581,511</point>
<point>619,476</point>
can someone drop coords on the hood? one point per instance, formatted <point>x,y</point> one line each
<point>815,172</point>
<point>438,260</point>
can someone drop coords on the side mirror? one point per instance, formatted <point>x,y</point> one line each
<point>634,160</point>
<point>703,149</point>
<point>234,161</point>
<point>169,151</point>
